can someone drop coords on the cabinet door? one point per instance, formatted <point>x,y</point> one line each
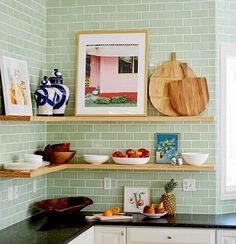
<point>86,237</point>
<point>160,235</point>
<point>226,236</point>
<point>110,235</point>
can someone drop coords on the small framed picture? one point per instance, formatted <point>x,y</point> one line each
<point>167,146</point>
<point>136,198</point>
<point>16,87</point>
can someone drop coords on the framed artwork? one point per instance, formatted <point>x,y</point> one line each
<point>136,198</point>
<point>167,146</point>
<point>111,73</point>
<point>16,87</point>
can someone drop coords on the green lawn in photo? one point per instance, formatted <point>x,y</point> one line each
<point>96,105</point>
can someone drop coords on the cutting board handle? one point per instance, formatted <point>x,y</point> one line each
<point>173,56</point>
<point>184,67</point>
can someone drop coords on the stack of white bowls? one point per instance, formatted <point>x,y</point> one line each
<point>31,162</point>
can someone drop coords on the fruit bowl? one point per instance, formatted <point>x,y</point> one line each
<point>64,205</point>
<point>154,216</point>
<point>119,160</point>
<point>96,159</point>
<point>195,158</point>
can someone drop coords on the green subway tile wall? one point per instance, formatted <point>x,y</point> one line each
<point>44,34</point>
<point>187,27</point>
<point>23,36</point>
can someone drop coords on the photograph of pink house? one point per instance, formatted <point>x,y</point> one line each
<point>111,75</point>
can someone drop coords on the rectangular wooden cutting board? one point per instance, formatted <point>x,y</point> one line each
<point>189,96</point>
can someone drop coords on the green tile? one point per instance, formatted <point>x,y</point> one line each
<point>101,128</point>
<point>62,182</point>
<point>94,183</point>
<point>69,191</point>
<point>68,3</point>
<point>92,136</point>
<point>134,176</point>
<point>77,183</point>
<point>208,201</point>
<point>141,136</point>
<point>101,192</point>
<point>109,136</point>
<point>85,191</point>
<point>109,199</point>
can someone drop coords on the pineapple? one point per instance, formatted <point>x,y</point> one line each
<point>168,198</point>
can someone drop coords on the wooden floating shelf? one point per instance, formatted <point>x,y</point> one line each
<point>107,118</point>
<point>33,173</point>
<point>150,166</point>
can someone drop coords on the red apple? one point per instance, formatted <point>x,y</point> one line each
<point>130,152</point>
<point>145,152</point>
<point>117,154</point>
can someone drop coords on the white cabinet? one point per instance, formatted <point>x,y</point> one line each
<point>226,236</point>
<point>160,235</point>
<point>86,237</point>
<point>110,235</point>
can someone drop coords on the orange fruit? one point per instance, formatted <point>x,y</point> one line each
<point>115,211</point>
<point>107,212</point>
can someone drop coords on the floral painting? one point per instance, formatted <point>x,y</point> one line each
<point>167,146</point>
<point>136,198</point>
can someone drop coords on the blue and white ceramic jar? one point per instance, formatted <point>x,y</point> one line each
<point>62,91</point>
<point>45,97</point>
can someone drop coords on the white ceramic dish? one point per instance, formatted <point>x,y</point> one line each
<point>195,158</point>
<point>22,166</point>
<point>45,163</point>
<point>113,217</point>
<point>118,160</point>
<point>96,159</point>
<point>33,158</point>
<point>154,216</point>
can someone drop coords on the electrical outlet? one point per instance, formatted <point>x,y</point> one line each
<point>34,186</point>
<point>189,185</point>
<point>107,183</point>
<point>10,193</point>
<point>16,192</point>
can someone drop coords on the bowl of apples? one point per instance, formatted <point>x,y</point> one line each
<point>131,156</point>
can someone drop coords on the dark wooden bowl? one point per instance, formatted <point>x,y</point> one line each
<point>66,205</point>
<point>58,157</point>
<point>61,147</point>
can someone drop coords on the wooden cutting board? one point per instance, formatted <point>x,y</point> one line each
<point>189,96</point>
<point>158,85</point>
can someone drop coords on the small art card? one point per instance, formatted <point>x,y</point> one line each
<point>136,198</point>
<point>16,86</point>
<point>167,146</point>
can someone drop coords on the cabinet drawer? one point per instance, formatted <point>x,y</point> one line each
<point>176,235</point>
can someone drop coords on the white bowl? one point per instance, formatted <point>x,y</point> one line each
<point>195,158</point>
<point>118,160</point>
<point>96,159</point>
<point>33,158</point>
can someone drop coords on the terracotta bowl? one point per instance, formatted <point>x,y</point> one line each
<point>58,157</point>
<point>64,205</point>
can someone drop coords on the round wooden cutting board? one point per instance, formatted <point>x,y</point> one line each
<point>158,85</point>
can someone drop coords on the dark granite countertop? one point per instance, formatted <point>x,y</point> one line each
<point>54,229</point>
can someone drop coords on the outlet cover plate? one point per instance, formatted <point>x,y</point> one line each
<point>189,185</point>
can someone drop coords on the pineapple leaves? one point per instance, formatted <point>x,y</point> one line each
<point>170,186</point>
